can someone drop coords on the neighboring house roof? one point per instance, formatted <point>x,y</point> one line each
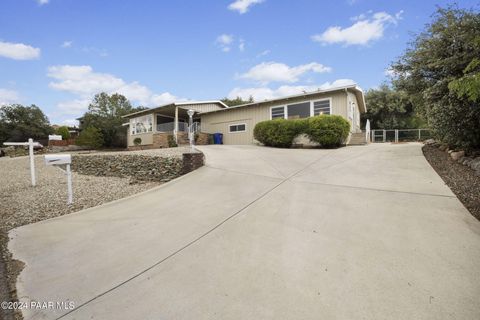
<point>354,88</point>
<point>184,105</point>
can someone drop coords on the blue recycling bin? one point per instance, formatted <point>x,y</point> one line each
<point>218,138</point>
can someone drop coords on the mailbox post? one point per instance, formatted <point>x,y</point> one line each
<point>30,145</point>
<point>58,159</point>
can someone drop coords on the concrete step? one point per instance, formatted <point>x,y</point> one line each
<point>357,139</point>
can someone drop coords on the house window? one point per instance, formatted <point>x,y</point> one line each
<point>278,112</point>
<point>242,127</point>
<point>142,124</point>
<point>321,107</point>
<point>298,110</point>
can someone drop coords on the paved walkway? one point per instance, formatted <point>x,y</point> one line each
<point>367,232</point>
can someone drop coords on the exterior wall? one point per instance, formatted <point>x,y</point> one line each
<point>251,115</point>
<point>204,107</point>
<point>354,119</point>
<point>147,138</point>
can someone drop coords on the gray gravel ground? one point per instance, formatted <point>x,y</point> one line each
<point>20,203</point>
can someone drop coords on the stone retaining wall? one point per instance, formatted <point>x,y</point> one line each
<point>192,161</point>
<point>137,167</point>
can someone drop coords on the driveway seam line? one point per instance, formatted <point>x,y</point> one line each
<point>374,189</point>
<point>201,236</point>
<point>244,173</point>
<point>176,251</point>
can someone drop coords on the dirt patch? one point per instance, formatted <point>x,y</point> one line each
<point>461,179</point>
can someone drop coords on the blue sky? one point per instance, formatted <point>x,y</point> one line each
<point>58,53</point>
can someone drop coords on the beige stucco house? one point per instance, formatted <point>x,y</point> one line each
<point>237,123</point>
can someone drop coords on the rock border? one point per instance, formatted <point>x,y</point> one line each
<point>472,161</point>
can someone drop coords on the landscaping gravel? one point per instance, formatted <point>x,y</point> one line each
<point>462,180</point>
<point>21,204</point>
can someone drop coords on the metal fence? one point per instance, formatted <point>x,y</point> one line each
<point>400,135</point>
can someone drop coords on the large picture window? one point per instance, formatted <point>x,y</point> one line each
<point>321,107</point>
<point>298,110</point>
<point>141,124</point>
<point>302,110</point>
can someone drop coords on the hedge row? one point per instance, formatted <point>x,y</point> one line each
<point>330,131</point>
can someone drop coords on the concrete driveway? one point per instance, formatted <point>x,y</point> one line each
<point>368,232</point>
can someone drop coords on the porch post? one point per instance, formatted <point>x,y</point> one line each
<point>175,125</point>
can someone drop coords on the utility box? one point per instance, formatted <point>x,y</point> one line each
<point>54,159</point>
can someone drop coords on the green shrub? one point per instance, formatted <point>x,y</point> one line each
<point>90,137</point>
<point>278,133</point>
<point>330,131</point>
<point>63,131</point>
<point>171,141</point>
<point>137,141</point>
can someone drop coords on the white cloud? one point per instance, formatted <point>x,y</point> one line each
<point>241,45</point>
<point>266,72</point>
<point>265,93</point>
<point>263,53</point>
<point>42,2</point>
<point>83,82</point>
<point>18,51</point>
<point>73,107</point>
<point>8,96</point>
<point>224,41</point>
<point>164,98</point>
<point>242,6</point>
<point>67,44</point>
<point>93,50</point>
<point>362,32</point>
<point>337,83</point>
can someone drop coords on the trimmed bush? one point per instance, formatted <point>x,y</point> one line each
<point>171,141</point>
<point>279,132</point>
<point>137,141</point>
<point>90,137</point>
<point>330,131</point>
<point>63,131</point>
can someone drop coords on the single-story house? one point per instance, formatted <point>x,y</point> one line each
<point>153,126</point>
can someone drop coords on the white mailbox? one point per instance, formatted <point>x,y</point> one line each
<point>56,159</point>
<point>53,159</point>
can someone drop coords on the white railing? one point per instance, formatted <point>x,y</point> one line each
<point>170,127</point>
<point>367,131</point>
<point>196,127</point>
<point>182,127</point>
<point>399,135</point>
